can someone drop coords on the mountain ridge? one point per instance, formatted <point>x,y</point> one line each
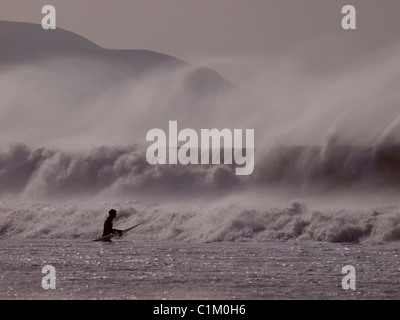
<point>28,41</point>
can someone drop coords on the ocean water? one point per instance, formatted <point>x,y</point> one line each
<point>128,269</point>
<point>214,251</point>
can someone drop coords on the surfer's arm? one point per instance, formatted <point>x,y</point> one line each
<point>117,230</point>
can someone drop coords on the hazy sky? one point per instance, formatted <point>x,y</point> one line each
<point>212,32</point>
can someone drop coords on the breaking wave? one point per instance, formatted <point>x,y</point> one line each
<point>46,173</point>
<point>210,223</point>
<point>346,195</point>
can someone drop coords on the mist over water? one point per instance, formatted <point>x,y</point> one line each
<point>73,130</point>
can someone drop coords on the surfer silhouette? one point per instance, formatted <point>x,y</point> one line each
<point>108,224</point>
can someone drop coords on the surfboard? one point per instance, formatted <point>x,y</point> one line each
<point>116,234</point>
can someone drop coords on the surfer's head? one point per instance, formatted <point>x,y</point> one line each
<point>112,213</point>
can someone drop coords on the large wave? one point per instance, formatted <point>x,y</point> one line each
<point>219,221</point>
<point>54,194</point>
<point>46,173</point>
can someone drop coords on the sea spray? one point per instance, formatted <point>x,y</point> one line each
<point>208,223</point>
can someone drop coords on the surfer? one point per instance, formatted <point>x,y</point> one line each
<point>108,224</point>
